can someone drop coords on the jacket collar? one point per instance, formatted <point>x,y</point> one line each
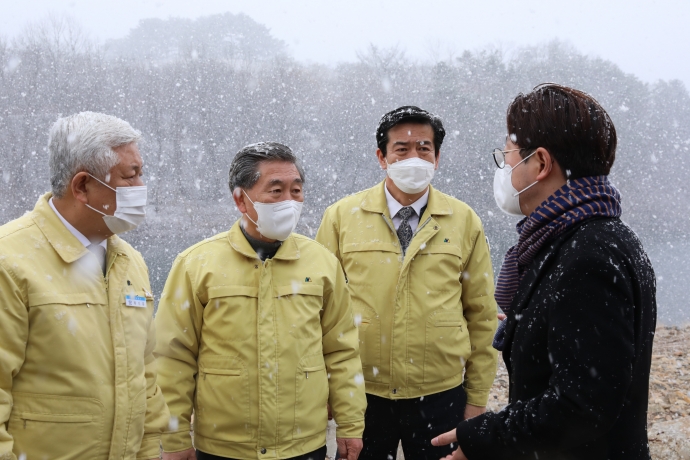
<point>63,241</point>
<point>375,201</point>
<point>287,251</point>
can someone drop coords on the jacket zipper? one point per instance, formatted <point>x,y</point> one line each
<point>419,227</point>
<point>392,227</point>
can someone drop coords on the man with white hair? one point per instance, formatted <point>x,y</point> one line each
<point>77,376</point>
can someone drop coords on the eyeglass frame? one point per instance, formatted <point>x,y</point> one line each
<point>497,150</point>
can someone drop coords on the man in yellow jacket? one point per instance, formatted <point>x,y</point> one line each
<point>77,375</point>
<point>256,331</point>
<point>419,273</point>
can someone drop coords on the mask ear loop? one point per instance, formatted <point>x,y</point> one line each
<point>96,178</point>
<point>245,194</point>
<point>526,188</point>
<point>103,183</point>
<point>246,213</point>
<point>94,209</point>
<point>533,183</point>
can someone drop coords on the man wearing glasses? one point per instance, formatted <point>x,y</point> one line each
<point>420,279</point>
<point>578,289</point>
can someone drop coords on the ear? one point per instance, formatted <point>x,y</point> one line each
<point>545,163</point>
<point>382,159</point>
<point>79,186</point>
<point>238,196</point>
<point>438,155</point>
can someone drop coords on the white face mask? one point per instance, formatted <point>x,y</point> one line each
<point>506,196</point>
<point>412,175</point>
<point>130,211</point>
<point>276,220</point>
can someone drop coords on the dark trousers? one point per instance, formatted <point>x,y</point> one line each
<point>319,454</point>
<point>414,421</point>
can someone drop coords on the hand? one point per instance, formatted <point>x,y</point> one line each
<point>501,317</point>
<point>449,438</point>
<point>189,454</point>
<point>349,448</point>
<point>473,411</point>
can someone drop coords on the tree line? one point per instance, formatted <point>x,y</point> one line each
<point>197,103</point>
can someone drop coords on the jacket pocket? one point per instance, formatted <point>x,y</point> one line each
<point>232,309</point>
<point>365,263</point>
<point>83,299</point>
<point>372,269</point>
<point>56,427</point>
<point>311,397</point>
<point>369,328</point>
<point>298,307</point>
<point>222,400</point>
<point>447,345</point>
<point>64,316</point>
<point>442,267</point>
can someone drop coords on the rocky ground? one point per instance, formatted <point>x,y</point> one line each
<point>669,396</point>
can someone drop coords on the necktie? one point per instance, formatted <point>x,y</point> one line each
<point>98,251</point>
<point>404,229</point>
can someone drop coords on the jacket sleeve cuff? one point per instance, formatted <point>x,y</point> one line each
<point>476,397</point>
<point>177,441</point>
<point>350,430</point>
<point>475,440</point>
<point>150,447</point>
<point>466,437</point>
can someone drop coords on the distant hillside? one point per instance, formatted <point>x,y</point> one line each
<point>221,36</point>
<point>201,89</point>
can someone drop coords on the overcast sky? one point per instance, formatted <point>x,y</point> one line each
<point>650,39</point>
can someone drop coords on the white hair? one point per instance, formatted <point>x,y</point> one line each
<point>85,142</point>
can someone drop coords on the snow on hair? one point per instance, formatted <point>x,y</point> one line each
<point>244,169</point>
<point>85,142</point>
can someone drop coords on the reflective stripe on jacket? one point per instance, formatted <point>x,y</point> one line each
<point>425,318</point>
<point>258,349</point>
<point>77,378</point>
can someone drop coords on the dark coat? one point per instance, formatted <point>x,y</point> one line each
<point>578,352</point>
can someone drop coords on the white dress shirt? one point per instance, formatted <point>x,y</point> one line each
<point>394,207</point>
<point>79,235</point>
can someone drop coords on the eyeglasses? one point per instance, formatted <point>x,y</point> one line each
<point>500,156</point>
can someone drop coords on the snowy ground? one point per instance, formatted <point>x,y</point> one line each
<point>669,396</point>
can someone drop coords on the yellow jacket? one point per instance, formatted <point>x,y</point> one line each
<point>258,349</point>
<point>77,375</point>
<point>425,318</point>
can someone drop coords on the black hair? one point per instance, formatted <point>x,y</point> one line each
<point>570,124</point>
<point>409,114</point>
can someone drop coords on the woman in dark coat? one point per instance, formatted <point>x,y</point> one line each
<point>578,290</point>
